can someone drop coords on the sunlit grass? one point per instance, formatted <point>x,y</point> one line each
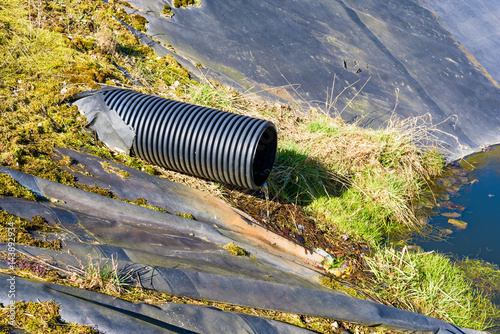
<point>431,284</point>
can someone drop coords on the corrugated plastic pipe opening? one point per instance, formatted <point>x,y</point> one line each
<point>200,141</point>
<point>264,155</point>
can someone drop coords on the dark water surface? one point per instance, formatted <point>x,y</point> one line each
<point>478,202</point>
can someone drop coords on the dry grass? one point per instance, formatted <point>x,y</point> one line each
<point>102,276</point>
<point>333,168</point>
<point>107,41</point>
<point>322,162</point>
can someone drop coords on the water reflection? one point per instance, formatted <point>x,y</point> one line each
<point>469,211</point>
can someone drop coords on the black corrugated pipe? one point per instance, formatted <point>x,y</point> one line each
<point>209,143</point>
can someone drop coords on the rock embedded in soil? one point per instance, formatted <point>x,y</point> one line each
<point>415,248</point>
<point>344,236</point>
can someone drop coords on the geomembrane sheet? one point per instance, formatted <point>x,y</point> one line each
<point>440,66</point>
<point>178,256</point>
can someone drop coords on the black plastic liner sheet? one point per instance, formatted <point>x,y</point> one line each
<point>111,315</point>
<point>260,294</point>
<point>476,24</point>
<point>292,50</point>
<point>214,220</point>
<point>157,246</point>
<point>185,257</point>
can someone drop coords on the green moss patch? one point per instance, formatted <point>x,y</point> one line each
<point>15,229</point>
<point>50,60</point>
<point>184,3</point>
<point>185,215</point>
<point>10,187</point>
<point>109,168</point>
<point>336,285</point>
<point>42,317</point>
<point>236,250</point>
<point>167,11</point>
<point>144,203</point>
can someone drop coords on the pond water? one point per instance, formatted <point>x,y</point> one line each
<point>469,209</point>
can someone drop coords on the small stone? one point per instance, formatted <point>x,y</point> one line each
<point>447,182</point>
<point>299,238</point>
<point>451,214</point>
<point>337,272</point>
<point>459,171</point>
<point>423,220</point>
<point>55,200</point>
<point>335,325</point>
<point>447,231</point>
<point>345,265</point>
<point>451,206</point>
<point>340,272</point>
<point>344,236</point>
<point>459,224</point>
<point>415,248</point>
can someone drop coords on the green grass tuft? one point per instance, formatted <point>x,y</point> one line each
<point>431,284</point>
